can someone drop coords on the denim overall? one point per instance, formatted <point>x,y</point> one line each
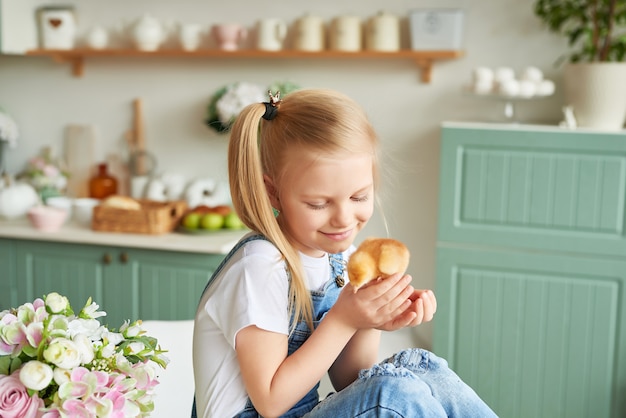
<point>322,302</point>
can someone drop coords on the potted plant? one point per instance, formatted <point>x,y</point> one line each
<point>596,34</point>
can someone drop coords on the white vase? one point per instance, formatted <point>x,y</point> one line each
<point>597,94</point>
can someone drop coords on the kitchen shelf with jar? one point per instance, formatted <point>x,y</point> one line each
<point>76,57</point>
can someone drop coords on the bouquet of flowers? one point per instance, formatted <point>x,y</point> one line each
<point>45,175</point>
<point>228,101</point>
<point>54,363</point>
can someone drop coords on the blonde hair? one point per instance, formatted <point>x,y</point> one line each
<point>315,120</point>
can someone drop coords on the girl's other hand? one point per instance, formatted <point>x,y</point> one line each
<point>378,304</point>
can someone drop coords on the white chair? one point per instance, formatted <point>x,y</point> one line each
<point>174,394</point>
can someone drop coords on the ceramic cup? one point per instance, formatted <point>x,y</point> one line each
<point>97,38</point>
<point>271,34</point>
<point>309,33</point>
<point>228,35</point>
<point>346,33</point>
<point>190,36</point>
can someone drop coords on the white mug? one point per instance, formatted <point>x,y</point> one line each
<point>190,36</point>
<point>271,34</point>
<point>309,33</point>
<point>346,33</point>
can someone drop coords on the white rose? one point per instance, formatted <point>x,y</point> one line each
<point>90,327</point>
<point>61,375</point>
<point>85,348</point>
<point>56,303</point>
<point>63,353</point>
<point>36,375</point>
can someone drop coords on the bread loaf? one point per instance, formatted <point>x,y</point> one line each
<point>121,202</point>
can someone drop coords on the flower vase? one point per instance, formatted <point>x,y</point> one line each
<point>47,192</point>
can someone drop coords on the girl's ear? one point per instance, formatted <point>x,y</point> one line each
<point>272,193</point>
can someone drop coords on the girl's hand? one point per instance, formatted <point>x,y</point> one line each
<point>422,309</point>
<point>379,304</point>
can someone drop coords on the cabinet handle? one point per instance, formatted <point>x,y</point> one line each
<point>106,259</point>
<point>124,258</point>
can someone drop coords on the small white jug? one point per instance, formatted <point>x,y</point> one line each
<point>271,34</point>
<point>147,33</point>
<point>309,33</point>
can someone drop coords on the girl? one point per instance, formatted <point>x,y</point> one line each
<point>279,312</point>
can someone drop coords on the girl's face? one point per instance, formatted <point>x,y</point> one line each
<point>324,202</point>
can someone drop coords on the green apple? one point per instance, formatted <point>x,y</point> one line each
<point>212,221</point>
<point>192,220</point>
<point>232,221</point>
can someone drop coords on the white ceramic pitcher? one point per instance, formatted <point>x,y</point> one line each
<point>271,34</point>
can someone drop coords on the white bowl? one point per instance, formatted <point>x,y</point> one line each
<point>83,209</point>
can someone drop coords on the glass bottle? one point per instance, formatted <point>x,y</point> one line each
<point>102,184</point>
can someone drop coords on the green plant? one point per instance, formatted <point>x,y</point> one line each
<point>595,29</point>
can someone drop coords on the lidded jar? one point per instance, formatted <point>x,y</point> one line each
<point>382,32</point>
<point>102,184</point>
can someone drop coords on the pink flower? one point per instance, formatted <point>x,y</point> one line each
<point>14,399</point>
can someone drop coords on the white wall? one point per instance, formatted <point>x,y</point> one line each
<point>44,97</point>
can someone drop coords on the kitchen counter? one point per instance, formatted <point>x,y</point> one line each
<point>219,242</point>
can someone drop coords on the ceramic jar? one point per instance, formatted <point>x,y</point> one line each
<point>346,34</point>
<point>382,33</point>
<point>190,36</point>
<point>58,27</point>
<point>309,33</point>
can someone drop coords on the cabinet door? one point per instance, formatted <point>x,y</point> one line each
<point>161,284</point>
<point>8,291</point>
<point>535,335</point>
<point>75,271</point>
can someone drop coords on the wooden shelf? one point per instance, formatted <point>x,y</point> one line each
<point>76,57</point>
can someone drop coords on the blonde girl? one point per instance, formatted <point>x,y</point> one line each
<point>279,312</point>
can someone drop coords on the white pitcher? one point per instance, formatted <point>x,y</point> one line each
<point>271,34</point>
<point>382,32</point>
<point>309,33</point>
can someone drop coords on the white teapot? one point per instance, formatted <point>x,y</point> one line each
<point>16,198</point>
<point>147,33</point>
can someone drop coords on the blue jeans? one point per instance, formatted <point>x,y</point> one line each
<point>412,383</point>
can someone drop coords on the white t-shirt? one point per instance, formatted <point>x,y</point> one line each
<point>251,289</point>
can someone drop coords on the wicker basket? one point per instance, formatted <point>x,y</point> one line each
<point>153,217</point>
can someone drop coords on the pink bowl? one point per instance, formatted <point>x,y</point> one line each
<point>47,218</point>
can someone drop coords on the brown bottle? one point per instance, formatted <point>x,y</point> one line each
<point>102,184</point>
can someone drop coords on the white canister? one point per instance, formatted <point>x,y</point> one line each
<point>309,33</point>
<point>270,34</point>
<point>346,33</point>
<point>382,33</point>
<point>58,27</point>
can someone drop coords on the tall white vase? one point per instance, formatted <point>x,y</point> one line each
<point>597,93</point>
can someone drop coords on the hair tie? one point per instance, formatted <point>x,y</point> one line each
<point>271,107</point>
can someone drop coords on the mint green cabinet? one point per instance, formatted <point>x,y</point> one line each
<point>531,269</point>
<point>127,283</point>
<point>8,285</point>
